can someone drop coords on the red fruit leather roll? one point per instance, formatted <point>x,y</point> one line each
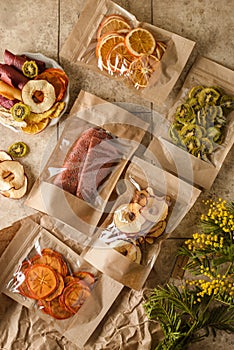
<point>6,103</point>
<point>69,177</point>
<point>12,76</point>
<point>18,60</point>
<point>99,162</point>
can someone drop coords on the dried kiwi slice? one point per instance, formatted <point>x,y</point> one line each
<point>20,111</point>
<point>206,145</point>
<point>227,102</point>
<point>191,130</point>
<point>30,69</point>
<point>185,114</point>
<point>18,149</point>
<point>208,96</point>
<point>213,133</point>
<point>193,93</point>
<point>174,132</point>
<point>191,142</point>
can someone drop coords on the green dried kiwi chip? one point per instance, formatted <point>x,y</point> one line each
<point>208,96</point>
<point>193,93</point>
<point>18,149</point>
<point>199,153</point>
<point>206,145</point>
<point>227,102</point>
<point>191,130</point>
<point>30,69</point>
<point>191,142</point>
<point>174,132</point>
<point>185,114</point>
<point>20,111</point>
<point>214,133</point>
<point>193,103</point>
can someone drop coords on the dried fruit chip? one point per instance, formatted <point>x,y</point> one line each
<point>140,41</point>
<point>104,47</point>
<point>119,58</point>
<point>141,70</point>
<point>75,296</point>
<point>48,259</point>
<point>18,149</point>
<point>58,290</point>
<point>41,280</point>
<point>58,311</point>
<point>112,24</point>
<point>85,276</point>
<point>34,128</point>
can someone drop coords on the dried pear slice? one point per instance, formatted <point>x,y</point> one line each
<point>20,111</point>
<point>208,96</point>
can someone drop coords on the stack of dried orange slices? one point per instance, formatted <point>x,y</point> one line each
<point>127,51</point>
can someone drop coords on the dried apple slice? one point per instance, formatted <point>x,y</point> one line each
<point>128,219</point>
<point>4,156</point>
<point>130,250</point>
<point>16,194</point>
<point>155,210</point>
<point>11,175</point>
<point>41,280</point>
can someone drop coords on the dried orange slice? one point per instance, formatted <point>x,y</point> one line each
<point>140,41</point>
<point>105,45</point>
<point>160,48</point>
<point>112,24</point>
<point>34,128</point>
<point>141,70</point>
<point>41,280</point>
<point>120,58</point>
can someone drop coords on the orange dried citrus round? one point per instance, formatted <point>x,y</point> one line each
<point>141,70</point>
<point>41,280</point>
<point>105,45</point>
<point>120,58</point>
<point>140,41</point>
<point>112,24</point>
<point>34,128</point>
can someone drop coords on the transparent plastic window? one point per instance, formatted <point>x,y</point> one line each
<point>202,118</point>
<point>50,276</point>
<point>138,220</point>
<point>126,48</point>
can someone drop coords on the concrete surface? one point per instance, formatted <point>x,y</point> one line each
<point>43,26</point>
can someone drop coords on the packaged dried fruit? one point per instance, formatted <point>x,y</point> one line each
<point>148,204</point>
<point>98,140</point>
<point>146,58</point>
<point>50,279</point>
<point>197,133</point>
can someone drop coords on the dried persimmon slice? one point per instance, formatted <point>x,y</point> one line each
<point>41,280</point>
<point>58,311</point>
<point>87,277</point>
<point>43,306</point>
<point>48,251</point>
<point>51,260</point>
<point>20,276</point>
<point>70,279</point>
<point>75,296</point>
<point>58,290</point>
